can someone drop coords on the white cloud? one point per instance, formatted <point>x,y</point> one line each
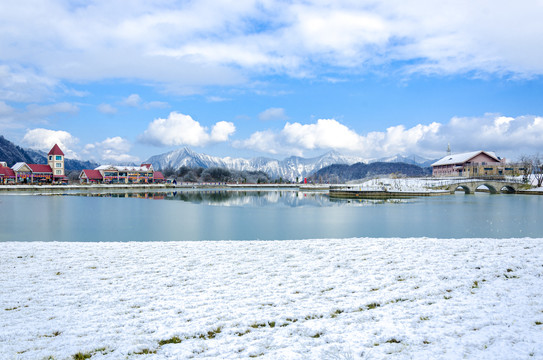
<point>133,100</point>
<point>508,136</point>
<point>33,114</point>
<point>179,129</point>
<point>107,109</point>
<point>172,45</point>
<point>113,150</point>
<point>20,84</point>
<point>45,139</point>
<point>273,114</point>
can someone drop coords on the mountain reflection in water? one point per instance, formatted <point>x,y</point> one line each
<point>245,198</point>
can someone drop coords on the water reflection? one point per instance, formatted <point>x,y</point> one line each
<point>244,198</point>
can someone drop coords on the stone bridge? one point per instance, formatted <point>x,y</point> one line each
<point>494,186</point>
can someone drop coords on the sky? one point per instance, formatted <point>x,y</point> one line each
<point>118,82</point>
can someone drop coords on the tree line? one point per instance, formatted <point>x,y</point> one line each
<point>216,174</point>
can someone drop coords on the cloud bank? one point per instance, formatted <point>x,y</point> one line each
<point>45,139</point>
<point>509,136</point>
<point>171,45</point>
<point>179,129</point>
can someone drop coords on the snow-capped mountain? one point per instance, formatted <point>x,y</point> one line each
<point>290,168</point>
<point>410,159</point>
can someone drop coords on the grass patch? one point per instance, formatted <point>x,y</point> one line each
<point>56,333</point>
<point>257,325</point>
<point>81,356</point>
<point>145,352</point>
<point>173,340</point>
<point>424,318</point>
<point>317,335</point>
<point>372,306</point>
<point>312,317</point>
<point>211,334</point>
<point>539,323</point>
<point>243,333</point>
<point>475,285</point>
<point>336,313</point>
<point>393,341</point>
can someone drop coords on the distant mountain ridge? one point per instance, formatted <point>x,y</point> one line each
<point>11,153</point>
<point>343,172</point>
<point>289,168</point>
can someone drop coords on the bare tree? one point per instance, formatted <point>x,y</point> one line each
<point>533,165</point>
<point>525,162</point>
<point>537,168</point>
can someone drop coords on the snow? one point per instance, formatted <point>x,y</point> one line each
<point>359,298</point>
<point>404,184</point>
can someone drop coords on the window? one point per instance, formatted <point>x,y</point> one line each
<point>50,157</point>
<point>58,157</point>
<point>58,172</point>
<point>58,165</point>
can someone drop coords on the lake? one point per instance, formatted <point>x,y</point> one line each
<point>260,214</point>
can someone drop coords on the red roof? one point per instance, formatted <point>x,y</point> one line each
<point>146,165</point>
<point>56,151</point>
<point>6,172</point>
<point>157,175</point>
<point>40,168</point>
<point>93,174</point>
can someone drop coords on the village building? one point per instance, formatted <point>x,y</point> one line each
<point>113,174</point>
<point>55,160</point>
<point>475,164</point>
<point>25,173</point>
<point>7,175</point>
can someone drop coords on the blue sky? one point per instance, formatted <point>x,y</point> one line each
<point>116,83</point>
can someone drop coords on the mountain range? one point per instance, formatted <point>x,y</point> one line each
<point>289,168</point>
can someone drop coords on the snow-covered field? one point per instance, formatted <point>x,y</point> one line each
<point>305,299</point>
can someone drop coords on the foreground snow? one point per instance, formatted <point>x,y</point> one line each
<point>317,299</point>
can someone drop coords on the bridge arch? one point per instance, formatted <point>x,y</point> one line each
<point>465,188</point>
<point>491,189</point>
<point>507,189</point>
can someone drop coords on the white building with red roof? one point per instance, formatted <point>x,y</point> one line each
<point>55,159</point>
<point>52,171</point>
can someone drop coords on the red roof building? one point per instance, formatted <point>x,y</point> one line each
<point>6,174</point>
<point>91,176</point>
<point>40,169</point>
<point>158,176</point>
<point>55,150</point>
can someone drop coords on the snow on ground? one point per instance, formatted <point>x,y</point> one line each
<point>306,299</point>
<point>405,184</point>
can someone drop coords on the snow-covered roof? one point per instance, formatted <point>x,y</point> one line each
<point>464,157</point>
<point>123,168</point>
<point>19,165</point>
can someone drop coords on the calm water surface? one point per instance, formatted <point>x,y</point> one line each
<point>265,215</point>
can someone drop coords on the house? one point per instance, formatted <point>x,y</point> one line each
<point>53,171</point>
<point>113,174</point>
<point>158,177</point>
<point>474,164</point>
<point>91,176</point>
<point>7,175</point>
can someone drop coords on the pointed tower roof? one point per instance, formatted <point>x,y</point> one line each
<point>56,151</point>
